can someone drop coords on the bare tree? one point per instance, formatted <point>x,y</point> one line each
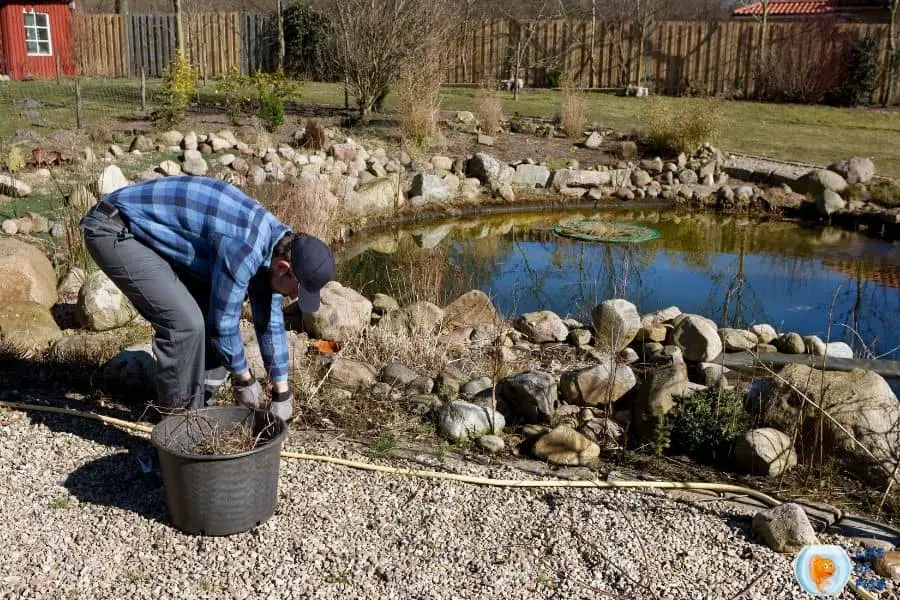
<point>371,41</point>
<point>630,23</point>
<point>763,19</point>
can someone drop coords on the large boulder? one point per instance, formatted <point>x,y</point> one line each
<point>102,305</point>
<point>765,333</point>
<point>565,446</point>
<point>698,338</point>
<point>603,383</point>
<point>575,178</point>
<point>859,403</point>
<point>616,323</point>
<point>351,374</point>
<point>784,528</point>
<point>343,313</point>
<point>791,343</point>
<point>111,179</point>
<point>488,170</point>
<point>765,451</point>
<point>535,176</point>
<point>418,318</point>
<point>818,180</point>
<point>430,188</point>
<point>532,395</point>
<point>26,273</point>
<point>374,196</point>
<point>738,340</point>
<point>472,308</point>
<point>461,420</point>
<point>657,396</point>
<point>828,202</point>
<point>26,326</point>
<point>542,327</point>
<point>855,169</point>
<point>397,374</point>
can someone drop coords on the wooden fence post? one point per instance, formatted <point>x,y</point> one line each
<point>57,69</point>
<point>143,90</point>
<point>78,120</point>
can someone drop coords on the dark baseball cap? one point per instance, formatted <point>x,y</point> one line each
<point>313,266</point>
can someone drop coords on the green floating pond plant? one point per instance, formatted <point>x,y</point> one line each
<point>595,230</point>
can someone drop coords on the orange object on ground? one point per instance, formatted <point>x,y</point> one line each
<point>326,346</point>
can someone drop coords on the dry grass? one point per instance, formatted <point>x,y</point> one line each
<point>418,91</point>
<point>306,206</point>
<point>572,117</point>
<point>668,129</point>
<point>238,438</point>
<point>488,109</point>
<point>314,136</point>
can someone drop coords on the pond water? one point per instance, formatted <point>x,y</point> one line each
<point>836,284</point>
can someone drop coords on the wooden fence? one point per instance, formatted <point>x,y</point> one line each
<point>676,57</point>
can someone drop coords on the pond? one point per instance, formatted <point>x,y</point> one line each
<point>836,284</point>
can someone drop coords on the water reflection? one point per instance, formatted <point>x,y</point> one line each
<point>734,270</point>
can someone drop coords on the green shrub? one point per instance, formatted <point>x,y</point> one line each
<point>235,95</point>
<point>271,111</point>
<point>670,127</point>
<point>179,87</point>
<point>305,34</point>
<point>554,76</point>
<point>703,425</point>
<point>860,76</point>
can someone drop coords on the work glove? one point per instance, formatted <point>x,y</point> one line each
<point>248,393</point>
<point>282,405</point>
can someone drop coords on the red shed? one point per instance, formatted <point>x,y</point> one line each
<point>33,36</point>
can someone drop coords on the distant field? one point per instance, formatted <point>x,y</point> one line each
<point>814,134</point>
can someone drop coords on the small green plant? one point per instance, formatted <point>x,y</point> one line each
<point>179,87</point>
<point>15,160</point>
<point>860,78</point>
<point>60,503</point>
<point>273,90</point>
<point>703,425</point>
<point>271,111</point>
<point>235,96</point>
<point>668,130</point>
<point>383,445</point>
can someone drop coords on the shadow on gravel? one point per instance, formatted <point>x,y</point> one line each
<point>119,480</point>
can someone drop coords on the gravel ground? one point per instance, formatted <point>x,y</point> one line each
<point>82,521</point>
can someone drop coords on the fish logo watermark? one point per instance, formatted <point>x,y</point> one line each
<point>823,570</point>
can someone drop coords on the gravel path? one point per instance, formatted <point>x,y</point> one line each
<point>80,520</point>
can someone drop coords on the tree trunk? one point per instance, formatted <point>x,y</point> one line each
<point>179,27</point>
<point>516,70</point>
<point>591,81</point>
<point>763,37</point>
<point>281,50</point>
<point>892,56</point>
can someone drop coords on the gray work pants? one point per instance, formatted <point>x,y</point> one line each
<point>174,301</point>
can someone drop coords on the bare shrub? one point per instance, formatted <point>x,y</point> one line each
<point>314,136</point>
<point>488,109</point>
<point>306,206</point>
<point>371,43</point>
<point>672,126</point>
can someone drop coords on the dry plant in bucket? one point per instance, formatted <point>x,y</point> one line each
<point>203,436</point>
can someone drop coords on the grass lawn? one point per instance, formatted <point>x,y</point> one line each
<point>814,134</point>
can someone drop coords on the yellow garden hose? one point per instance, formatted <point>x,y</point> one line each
<point>512,483</point>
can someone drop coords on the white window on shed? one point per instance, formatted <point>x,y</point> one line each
<point>37,34</point>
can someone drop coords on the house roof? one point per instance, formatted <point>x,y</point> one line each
<point>788,8</point>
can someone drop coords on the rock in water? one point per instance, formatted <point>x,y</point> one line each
<point>565,446</point>
<point>531,395</point>
<point>542,327</point>
<point>343,313</point>
<point>698,338</point>
<point>616,323</point>
<point>601,384</point>
<point>26,273</point>
<point>785,528</point>
<point>765,451</point>
<point>860,401</point>
<point>461,420</point>
<point>102,305</point>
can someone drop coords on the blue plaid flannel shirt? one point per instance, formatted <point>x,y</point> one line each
<point>216,231</point>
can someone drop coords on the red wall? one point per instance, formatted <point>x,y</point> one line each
<point>12,32</point>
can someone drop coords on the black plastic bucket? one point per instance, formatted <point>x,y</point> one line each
<point>220,494</point>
